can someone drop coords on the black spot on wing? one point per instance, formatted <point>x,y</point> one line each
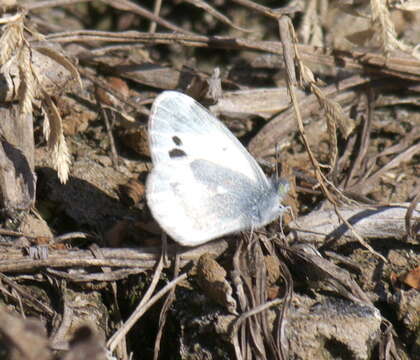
<point>176,153</point>
<point>177,141</point>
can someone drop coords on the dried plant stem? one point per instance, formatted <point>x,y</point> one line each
<point>125,5</point>
<point>53,3</point>
<point>365,139</point>
<point>31,300</point>
<point>165,308</point>
<point>15,260</point>
<point>141,310</point>
<point>156,11</point>
<point>241,319</point>
<point>355,60</point>
<point>286,28</point>
<point>282,318</point>
<point>146,302</point>
<point>216,14</point>
<point>117,337</point>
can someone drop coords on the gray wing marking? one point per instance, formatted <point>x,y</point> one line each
<point>233,196</point>
<point>180,123</point>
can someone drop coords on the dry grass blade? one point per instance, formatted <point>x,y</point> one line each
<point>165,308</point>
<point>334,111</point>
<point>61,156</point>
<point>138,313</point>
<point>52,3</point>
<point>216,14</point>
<point>11,39</point>
<point>238,280</point>
<point>28,85</point>
<point>13,43</point>
<point>281,339</point>
<point>356,166</point>
<point>258,331</point>
<point>124,5</point>
<point>382,22</point>
<point>238,323</point>
<point>243,285</point>
<point>264,143</point>
<point>58,333</point>
<point>257,7</point>
<point>357,235</point>
<point>253,335</point>
<point>276,13</point>
<point>368,181</point>
<point>323,272</point>
<point>286,27</point>
<point>156,10</point>
<point>71,236</point>
<point>115,339</point>
<point>147,300</point>
<point>331,125</point>
<point>62,60</point>
<point>335,116</point>
<point>412,225</point>
<point>387,348</point>
<point>132,7</point>
<point>27,298</point>
<point>311,29</point>
<point>61,159</point>
<point>95,277</point>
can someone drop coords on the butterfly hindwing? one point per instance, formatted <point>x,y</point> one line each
<point>189,210</point>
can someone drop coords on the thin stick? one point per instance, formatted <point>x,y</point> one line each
<point>138,312</point>
<point>156,11</point>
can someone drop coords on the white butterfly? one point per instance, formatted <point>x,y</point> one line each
<point>204,183</point>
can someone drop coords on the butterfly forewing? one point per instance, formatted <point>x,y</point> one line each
<point>179,125</point>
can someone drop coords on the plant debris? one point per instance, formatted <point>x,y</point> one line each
<point>324,93</point>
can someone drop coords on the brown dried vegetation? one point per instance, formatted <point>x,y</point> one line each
<point>328,90</point>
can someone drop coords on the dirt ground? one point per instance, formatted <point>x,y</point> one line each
<point>324,94</point>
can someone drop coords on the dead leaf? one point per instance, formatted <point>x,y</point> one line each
<point>412,278</point>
